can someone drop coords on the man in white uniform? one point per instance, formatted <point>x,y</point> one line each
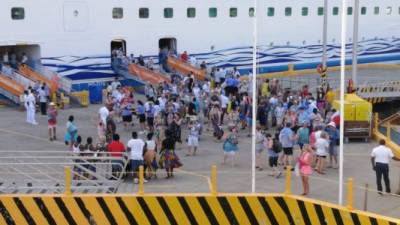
<point>30,105</point>
<point>380,158</point>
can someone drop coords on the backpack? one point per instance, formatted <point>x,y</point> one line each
<point>276,146</point>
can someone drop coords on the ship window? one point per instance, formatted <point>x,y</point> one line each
<point>233,12</point>
<point>212,12</point>
<point>363,10</point>
<point>18,13</point>
<point>168,12</point>
<point>335,11</point>
<point>288,11</point>
<point>320,11</point>
<point>389,10</point>
<point>144,13</point>
<point>251,12</point>
<point>304,11</point>
<point>118,13</point>
<point>191,12</point>
<point>376,10</point>
<point>349,10</point>
<point>271,11</point>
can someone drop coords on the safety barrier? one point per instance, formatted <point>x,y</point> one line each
<point>379,92</point>
<point>207,208</point>
<point>82,97</point>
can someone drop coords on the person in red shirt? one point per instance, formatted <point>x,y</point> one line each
<point>116,149</point>
<point>184,56</point>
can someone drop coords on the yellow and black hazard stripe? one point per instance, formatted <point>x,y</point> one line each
<point>196,210</point>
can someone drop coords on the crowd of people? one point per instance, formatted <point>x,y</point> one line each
<point>297,129</point>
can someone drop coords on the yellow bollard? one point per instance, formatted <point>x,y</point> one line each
<point>214,180</point>
<point>389,132</point>
<point>67,171</point>
<point>288,180</point>
<point>350,194</point>
<point>141,181</point>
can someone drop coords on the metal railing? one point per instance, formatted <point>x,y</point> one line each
<point>43,171</point>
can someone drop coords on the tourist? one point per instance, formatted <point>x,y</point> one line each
<point>303,135</point>
<point>260,143</point>
<point>77,148</point>
<point>127,114</point>
<point>193,137</point>
<point>322,147</point>
<point>30,106</point>
<point>52,121</point>
<point>286,137</point>
<point>230,145</point>
<point>168,158</point>
<point>116,149</point>
<point>380,159</point>
<point>72,132</point>
<point>333,134</point>
<point>103,113</point>
<point>42,100</point>
<point>274,148</point>
<point>141,113</point>
<point>136,147</point>
<point>150,161</point>
<point>305,160</point>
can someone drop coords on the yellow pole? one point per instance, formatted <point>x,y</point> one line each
<point>67,171</point>
<point>288,179</point>
<point>389,132</point>
<point>350,194</point>
<point>141,180</point>
<point>214,180</point>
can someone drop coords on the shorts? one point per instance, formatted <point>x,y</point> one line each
<point>135,164</point>
<point>333,149</point>
<point>249,121</point>
<point>321,156</point>
<point>142,118</point>
<point>259,148</point>
<point>288,151</point>
<point>273,161</point>
<point>193,141</point>
<point>127,118</point>
<point>150,121</point>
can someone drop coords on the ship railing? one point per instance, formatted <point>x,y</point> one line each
<point>43,171</point>
<point>63,84</point>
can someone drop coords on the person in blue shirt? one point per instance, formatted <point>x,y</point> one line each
<point>303,135</point>
<point>286,138</point>
<point>303,117</point>
<point>141,113</point>
<point>333,138</point>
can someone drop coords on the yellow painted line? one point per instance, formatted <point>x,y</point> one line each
<point>277,211</point>
<point>12,208</point>
<point>176,209</point>
<point>238,210</point>
<point>54,210</point>
<point>74,210</point>
<point>295,210</point>
<point>198,175</point>
<point>116,210</point>
<point>133,206</point>
<point>198,212</point>
<point>258,211</point>
<point>156,209</point>
<point>217,210</point>
<point>94,208</point>
<point>34,210</point>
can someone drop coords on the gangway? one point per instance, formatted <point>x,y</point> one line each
<point>10,88</point>
<point>145,74</point>
<point>43,171</point>
<point>51,82</point>
<point>186,68</point>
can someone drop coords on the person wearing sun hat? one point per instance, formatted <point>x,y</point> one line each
<point>333,138</point>
<point>52,121</point>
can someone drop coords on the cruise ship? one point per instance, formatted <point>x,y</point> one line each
<point>76,38</point>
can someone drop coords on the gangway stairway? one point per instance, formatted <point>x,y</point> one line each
<point>51,82</point>
<point>185,68</point>
<point>10,89</point>
<point>147,75</point>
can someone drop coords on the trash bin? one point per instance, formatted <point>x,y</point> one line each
<point>96,94</point>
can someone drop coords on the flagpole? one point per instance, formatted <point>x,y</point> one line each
<point>342,88</point>
<point>254,102</point>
